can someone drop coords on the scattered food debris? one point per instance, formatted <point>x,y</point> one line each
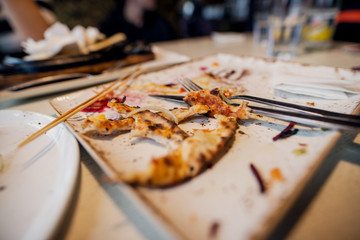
<point>214,229</point>
<point>310,104</point>
<point>287,132</point>
<point>258,178</point>
<point>215,64</point>
<point>241,132</point>
<point>300,151</point>
<point>276,174</point>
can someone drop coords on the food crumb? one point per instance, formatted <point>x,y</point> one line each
<point>276,174</point>
<point>214,229</point>
<point>215,64</point>
<point>258,178</point>
<point>2,188</point>
<point>241,132</point>
<point>310,104</point>
<point>300,151</point>
<point>287,132</point>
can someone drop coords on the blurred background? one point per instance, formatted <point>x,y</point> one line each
<point>221,15</point>
<point>187,18</point>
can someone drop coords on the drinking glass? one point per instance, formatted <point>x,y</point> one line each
<point>320,24</point>
<point>261,17</point>
<point>285,26</point>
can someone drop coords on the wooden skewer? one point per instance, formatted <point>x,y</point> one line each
<point>83,105</point>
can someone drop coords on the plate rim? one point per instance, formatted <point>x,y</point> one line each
<point>57,203</point>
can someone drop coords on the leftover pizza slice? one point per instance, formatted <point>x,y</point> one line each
<point>213,99</point>
<point>144,123</point>
<point>195,154</point>
<point>188,155</point>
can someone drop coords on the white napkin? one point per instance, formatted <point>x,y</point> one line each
<point>320,82</point>
<point>57,37</point>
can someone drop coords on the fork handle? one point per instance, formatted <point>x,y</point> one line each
<point>308,119</point>
<point>296,107</point>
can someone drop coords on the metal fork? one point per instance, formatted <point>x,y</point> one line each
<point>303,115</point>
<point>189,85</point>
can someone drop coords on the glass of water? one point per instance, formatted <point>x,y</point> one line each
<point>261,23</point>
<point>285,27</point>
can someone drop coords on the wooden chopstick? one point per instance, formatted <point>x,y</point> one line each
<point>73,111</point>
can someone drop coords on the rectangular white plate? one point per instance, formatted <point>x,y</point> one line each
<point>224,201</point>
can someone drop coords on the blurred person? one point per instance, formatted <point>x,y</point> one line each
<point>20,20</point>
<point>192,23</point>
<point>139,20</point>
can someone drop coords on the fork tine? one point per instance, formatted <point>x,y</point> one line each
<point>189,85</point>
<point>195,87</point>
<point>183,84</point>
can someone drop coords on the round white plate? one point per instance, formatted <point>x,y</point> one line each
<point>37,180</point>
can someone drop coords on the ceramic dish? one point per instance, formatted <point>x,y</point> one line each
<point>36,181</point>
